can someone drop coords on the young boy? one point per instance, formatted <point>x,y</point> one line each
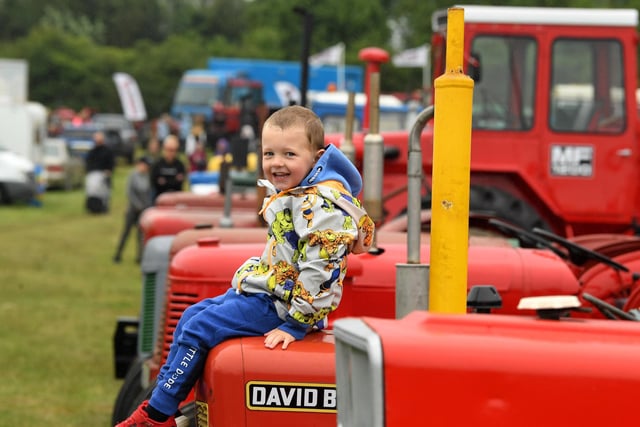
<point>314,222</point>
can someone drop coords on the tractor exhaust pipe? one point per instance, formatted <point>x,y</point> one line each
<point>412,278</point>
<point>373,157</point>
<point>347,144</point>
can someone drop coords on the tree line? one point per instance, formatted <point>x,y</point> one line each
<point>73,47</point>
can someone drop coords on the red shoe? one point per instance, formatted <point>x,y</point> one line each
<point>140,418</point>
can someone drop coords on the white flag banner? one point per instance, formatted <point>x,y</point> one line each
<point>130,97</point>
<point>333,55</point>
<point>287,92</point>
<point>417,57</point>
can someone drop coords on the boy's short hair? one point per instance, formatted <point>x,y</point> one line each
<point>294,115</point>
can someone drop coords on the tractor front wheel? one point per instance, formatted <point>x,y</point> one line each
<point>129,392</point>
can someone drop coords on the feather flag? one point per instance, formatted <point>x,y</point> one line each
<point>130,97</point>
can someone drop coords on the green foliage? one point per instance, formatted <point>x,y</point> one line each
<point>226,18</point>
<point>69,70</point>
<point>357,24</point>
<point>127,21</point>
<point>63,20</point>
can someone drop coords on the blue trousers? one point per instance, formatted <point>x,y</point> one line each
<point>201,327</point>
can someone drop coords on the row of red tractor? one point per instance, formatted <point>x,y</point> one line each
<point>543,221</point>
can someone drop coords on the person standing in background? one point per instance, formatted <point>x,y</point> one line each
<point>99,164</point>
<point>198,158</point>
<point>139,198</point>
<point>168,172</point>
<point>163,127</point>
<point>153,149</point>
<point>100,157</point>
<point>196,134</point>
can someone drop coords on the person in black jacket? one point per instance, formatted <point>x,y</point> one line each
<point>168,172</point>
<point>99,164</point>
<point>100,157</point>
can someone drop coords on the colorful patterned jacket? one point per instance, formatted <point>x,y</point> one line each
<point>312,229</point>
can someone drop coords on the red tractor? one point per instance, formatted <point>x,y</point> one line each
<point>555,119</point>
<point>484,370</point>
<point>182,210</point>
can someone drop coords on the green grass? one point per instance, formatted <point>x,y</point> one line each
<point>61,295</point>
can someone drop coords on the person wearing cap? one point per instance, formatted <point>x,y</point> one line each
<point>139,198</point>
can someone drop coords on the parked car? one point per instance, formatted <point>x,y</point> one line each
<point>17,178</point>
<point>62,169</point>
<point>79,138</point>
<point>120,134</point>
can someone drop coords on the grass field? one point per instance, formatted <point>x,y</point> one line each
<point>61,295</point>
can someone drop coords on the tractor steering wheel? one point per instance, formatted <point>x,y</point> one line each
<point>526,238</point>
<point>608,310</point>
<point>579,255</point>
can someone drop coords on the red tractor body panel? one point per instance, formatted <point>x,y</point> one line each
<point>240,200</point>
<point>249,385</point>
<point>507,370</point>
<point>160,221</point>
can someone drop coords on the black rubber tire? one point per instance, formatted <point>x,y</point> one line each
<point>502,205</point>
<point>189,411</point>
<point>129,392</point>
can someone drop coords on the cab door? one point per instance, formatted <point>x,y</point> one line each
<point>589,143</point>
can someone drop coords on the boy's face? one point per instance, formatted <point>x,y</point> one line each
<point>287,156</point>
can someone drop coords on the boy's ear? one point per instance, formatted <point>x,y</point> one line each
<point>319,154</point>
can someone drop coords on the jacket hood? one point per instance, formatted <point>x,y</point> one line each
<point>334,165</point>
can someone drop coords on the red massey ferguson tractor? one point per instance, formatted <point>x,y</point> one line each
<point>555,120</point>
<point>245,384</point>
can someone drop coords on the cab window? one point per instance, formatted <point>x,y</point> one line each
<point>504,90</point>
<point>587,90</point>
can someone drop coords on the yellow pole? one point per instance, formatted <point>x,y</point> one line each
<point>451,170</point>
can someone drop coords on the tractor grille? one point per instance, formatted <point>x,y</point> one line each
<point>177,303</point>
<point>147,333</point>
<point>359,374</point>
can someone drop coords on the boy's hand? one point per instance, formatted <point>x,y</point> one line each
<point>277,336</point>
